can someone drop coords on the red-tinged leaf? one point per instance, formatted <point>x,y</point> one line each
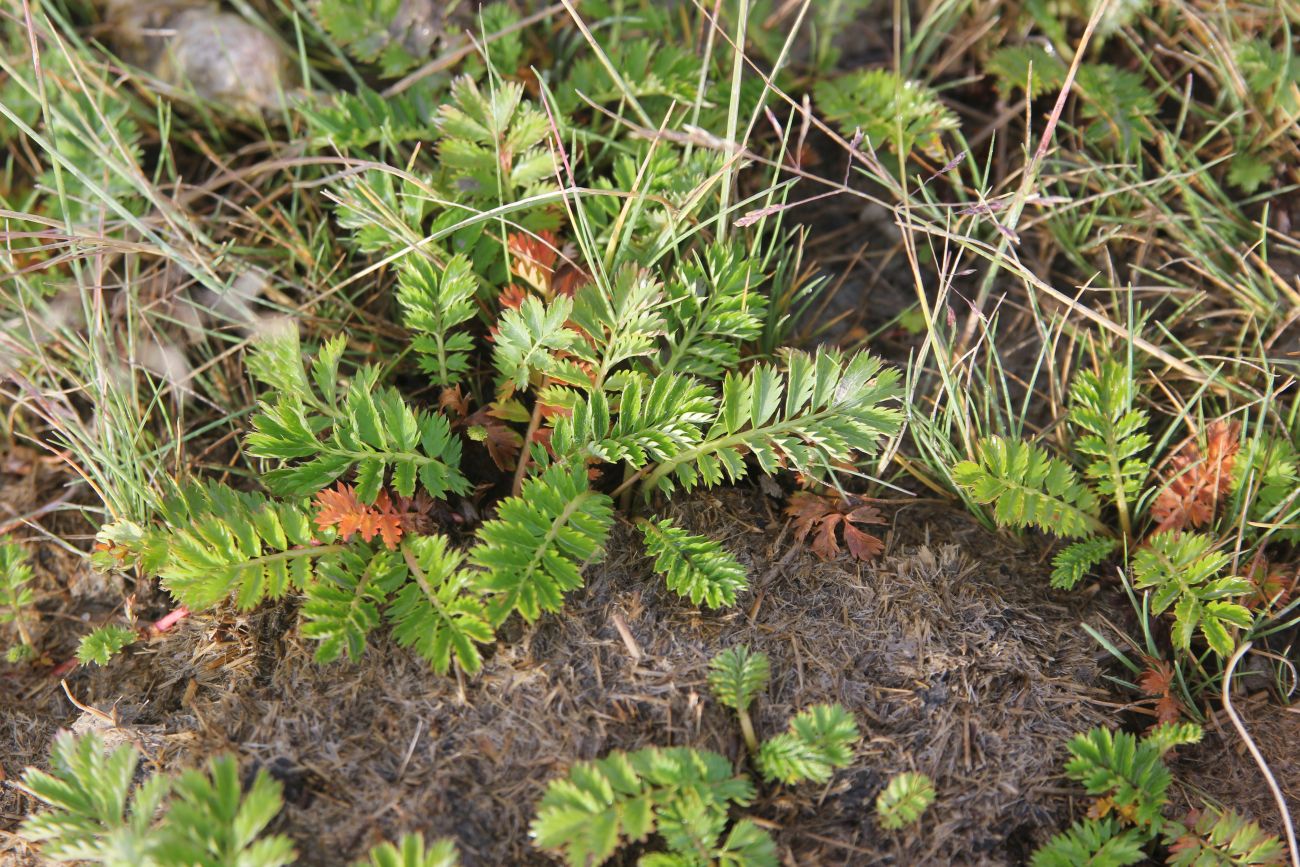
<point>1269,585</point>
<point>533,258</point>
<point>1168,710</point>
<point>452,400</point>
<point>386,521</point>
<point>865,514</point>
<point>502,442</point>
<point>568,280</point>
<point>808,510</point>
<point>824,544</point>
<point>1157,678</point>
<point>861,544</point>
<point>1196,482</point>
<point>338,507</point>
<point>824,516</point>
<point>512,297</point>
<point>1157,681</point>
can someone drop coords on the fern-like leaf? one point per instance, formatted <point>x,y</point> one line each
<point>411,851</point>
<point>15,594</point>
<point>820,739</point>
<point>535,549</point>
<point>1093,843</point>
<point>370,429</point>
<point>494,145</point>
<point>1027,67</point>
<point>903,800</point>
<point>104,643</point>
<point>356,121</point>
<point>624,797</point>
<point>374,31</point>
<point>621,322</point>
<point>439,613</point>
<point>889,110</point>
<point>219,541</point>
<point>212,820</point>
<point>654,420</point>
<point>1028,487</point>
<point>343,602</point>
<point>206,816</point>
<point>1181,569</point>
<point>737,675</point>
<point>528,340</point>
<point>94,815</point>
<point>1131,773</point>
<point>434,304</point>
<point>817,413</point>
<point>1101,405</point>
<point>1221,838</point>
<point>1076,560</point>
<point>713,308</point>
<point>694,566</point>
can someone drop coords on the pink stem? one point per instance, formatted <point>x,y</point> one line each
<point>171,619</point>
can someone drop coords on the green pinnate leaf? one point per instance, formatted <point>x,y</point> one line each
<point>819,740</point>
<point>683,794</point>
<point>1093,843</point>
<point>412,851</point>
<point>1027,487</point>
<point>434,303</point>
<point>1181,570</point>
<point>903,800</point>
<point>439,612</point>
<point>737,675</point>
<point>694,566</point>
<point>534,551</point>
<point>343,603</point>
<point>1076,560</point>
<point>104,643</point>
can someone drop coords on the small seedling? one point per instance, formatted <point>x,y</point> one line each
<point>104,643</point>
<point>819,739</point>
<point>411,851</point>
<point>685,795</point>
<point>736,676</point>
<point>903,800</point>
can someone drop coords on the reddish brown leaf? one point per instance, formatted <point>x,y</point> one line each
<point>338,507</point>
<point>512,297</point>
<point>1157,681</point>
<point>824,516</point>
<point>862,545</point>
<point>385,521</point>
<point>533,258</point>
<point>1270,585</point>
<point>824,544</point>
<point>502,442</point>
<point>452,400</point>
<point>807,509</point>
<point>569,278</point>
<point>1195,481</point>
<point>1157,678</point>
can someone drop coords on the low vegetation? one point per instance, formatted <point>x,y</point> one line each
<point>397,322</point>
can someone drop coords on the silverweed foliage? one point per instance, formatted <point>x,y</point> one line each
<point>1129,781</point>
<point>96,813</point>
<point>606,359</point>
<point>904,800</point>
<point>682,795</point>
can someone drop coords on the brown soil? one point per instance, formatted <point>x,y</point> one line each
<point>949,651</point>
